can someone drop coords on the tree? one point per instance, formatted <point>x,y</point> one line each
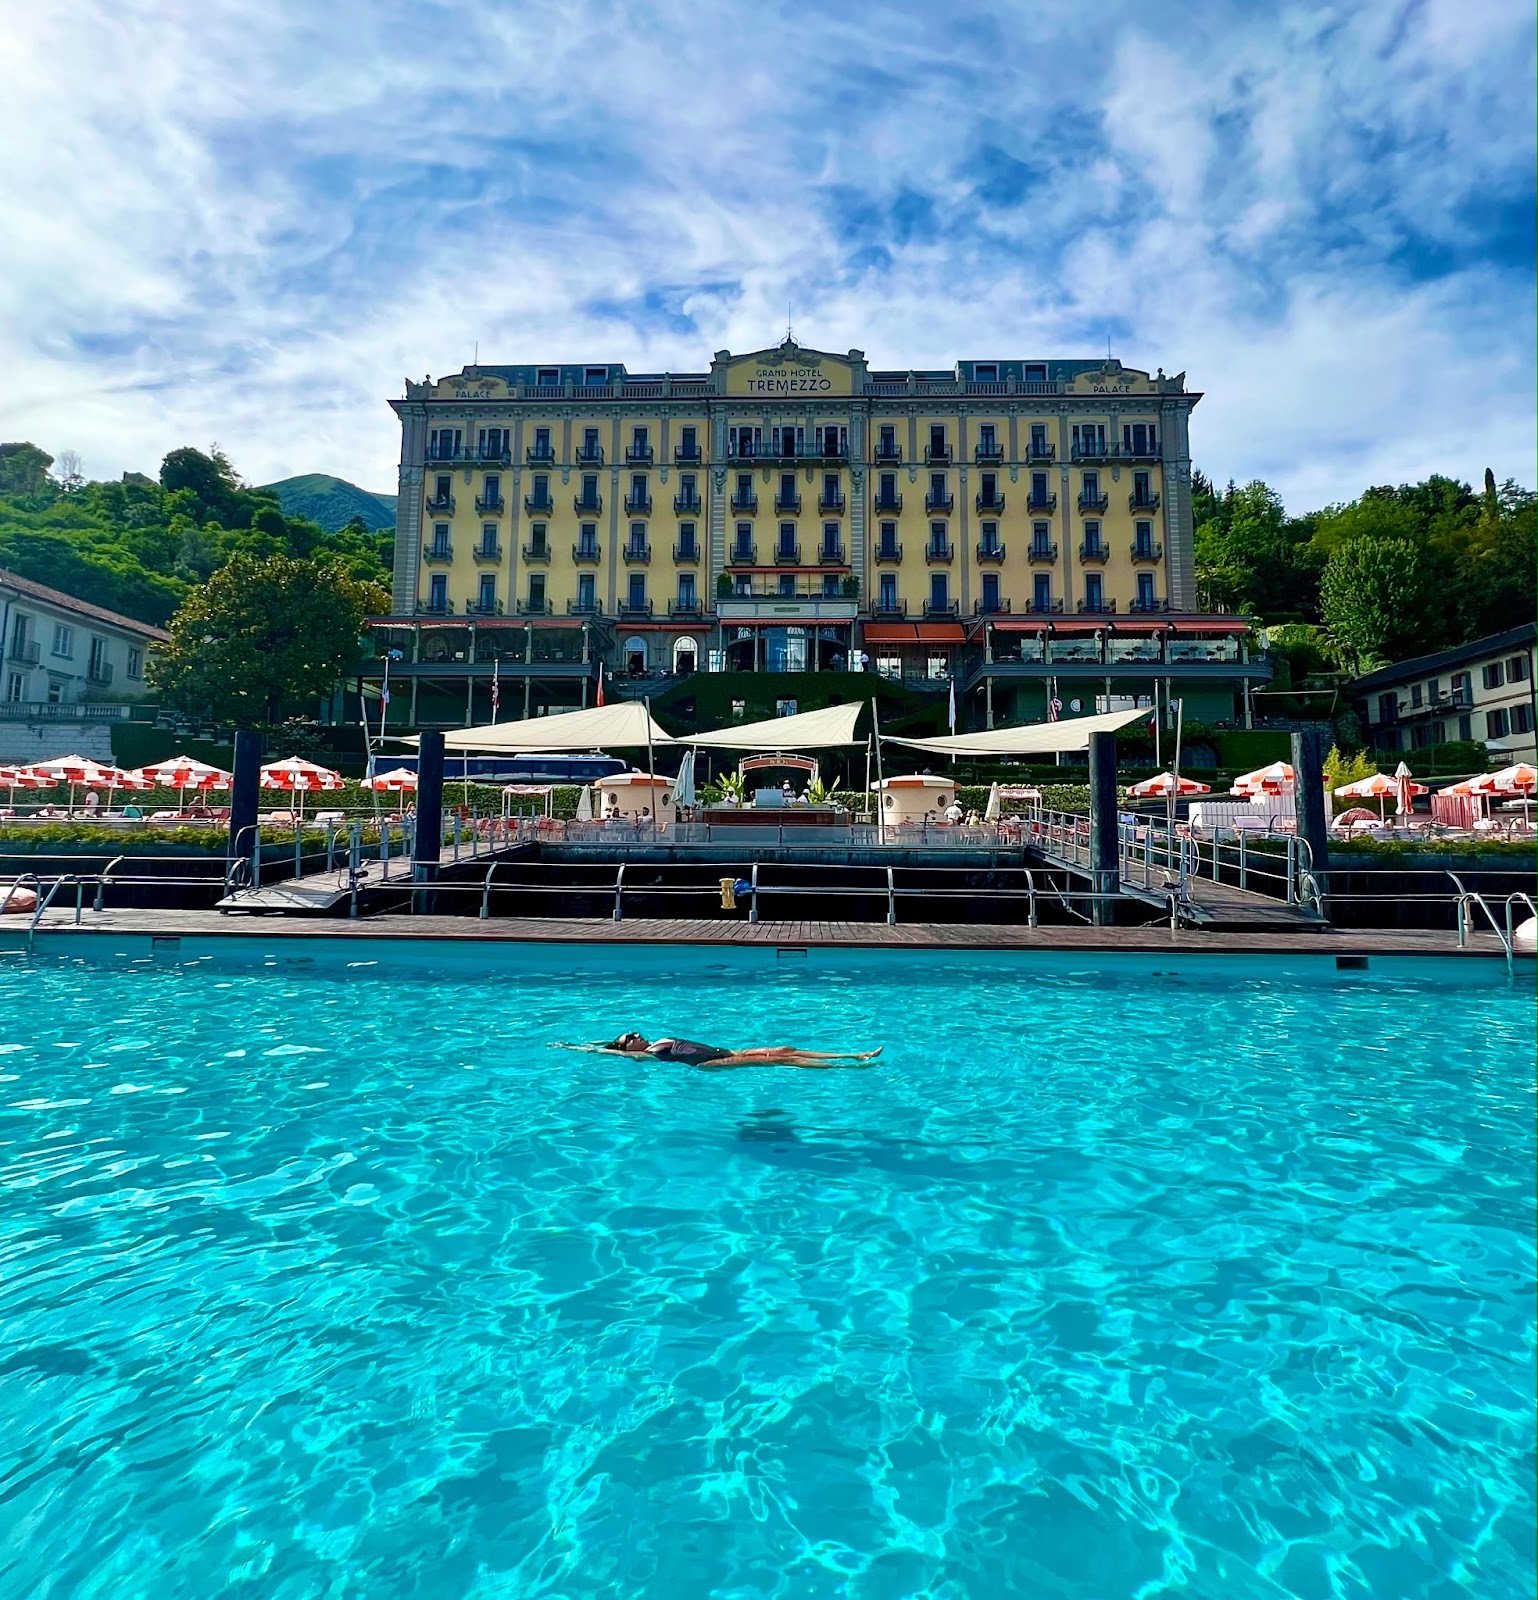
<point>23,469</point>
<point>264,638</point>
<point>70,475</point>
<point>209,478</point>
<point>1377,601</point>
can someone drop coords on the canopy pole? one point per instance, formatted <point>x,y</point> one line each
<point>875,733</point>
<point>650,773</point>
<point>867,763</point>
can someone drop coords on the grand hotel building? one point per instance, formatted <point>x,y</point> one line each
<point>1023,527</point>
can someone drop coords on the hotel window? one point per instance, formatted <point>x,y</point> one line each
<point>1145,591</point>
<point>1497,724</point>
<point>635,594</point>
<point>1521,718</point>
<point>830,538</point>
<point>787,546</point>
<point>1142,535</point>
<point>1089,438</point>
<point>640,443</point>
<point>1041,538</point>
<point>1494,676</point>
<point>542,450</point>
<point>888,592</point>
<point>1092,543</point>
<point>590,445</point>
<point>742,585</point>
<point>688,490</point>
<point>15,688</point>
<point>635,546</point>
<point>438,592</point>
<point>743,548</point>
<point>688,444</point>
<point>1516,669</point>
<point>939,450</point>
<point>539,493</point>
<point>889,667</point>
<point>589,489</point>
<point>1041,592</point>
<point>1094,591</point>
<point>1139,438</point>
<point>939,592</point>
<point>1142,494</point>
<point>886,493</point>
<point>1462,685</point>
<point>539,534</point>
<point>990,591</point>
<point>1388,707</point>
<point>595,375</point>
<point>686,544</point>
<point>135,663</point>
<point>1090,489</point>
<point>536,592</point>
<point>1038,439</point>
<point>686,588</point>
<point>937,539</point>
<point>987,440</point>
<point>830,586</point>
<point>440,538</point>
<point>886,443</point>
<point>587,538</point>
<point>489,537</point>
<point>988,494</point>
<point>986,372</point>
<point>833,440</point>
<point>1038,488</point>
<point>888,545</point>
<point>990,539</point>
<point>548,378</point>
<point>787,495</point>
<point>937,491</point>
<point>488,594</point>
<point>491,492</point>
<point>586,592</point>
<point>787,583</point>
<point>492,442</point>
<point>744,440</point>
<point>443,487</point>
<point>443,443</point>
<point>1466,725</point>
<point>1035,372</point>
<point>1416,696</point>
<point>63,640</point>
<point>55,693</point>
<point>831,495</point>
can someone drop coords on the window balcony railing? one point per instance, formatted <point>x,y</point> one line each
<point>692,606</point>
<point>581,607</point>
<point>687,455</point>
<point>937,455</point>
<point>686,504</point>
<point>494,507</point>
<point>942,608</point>
<point>632,607</point>
<point>1097,608</point>
<point>889,502</point>
<point>442,458</point>
<point>637,554</point>
<point>743,555</point>
<point>888,455</point>
<point>745,502</point>
<point>483,608</point>
<point>830,504</point>
<point>998,606</point>
<point>1094,550</point>
<point>99,673</point>
<point>590,455</point>
<point>1146,605</point>
<point>1041,552</point>
<point>787,555</point>
<point>435,608</point>
<point>939,503</point>
<point>686,552</point>
<point>1093,502</point>
<point>1044,608</point>
<point>1041,502</point>
<point>539,505</point>
<point>888,554</point>
<point>638,505</point>
<point>936,553</point>
<point>24,652</point>
<point>534,606</point>
<point>588,508</point>
<point>638,455</point>
<point>490,456</point>
<point>988,504</point>
<point>488,550</point>
<point>442,504</point>
<point>1039,450</point>
<point>585,555</point>
<point>788,504</point>
<point>888,608</point>
<point>1143,550</point>
<point>1147,501</point>
<point>992,554</point>
<point>1092,450</point>
<point>437,554</point>
<point>988,452</point>
<point>537,552</point>
<point>831,555</point>
<point>540,455</point>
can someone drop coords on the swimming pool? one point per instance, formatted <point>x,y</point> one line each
<point>1102,1284</point>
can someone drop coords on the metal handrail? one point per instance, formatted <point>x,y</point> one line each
<point>619,891</point>
<point>101,882</point>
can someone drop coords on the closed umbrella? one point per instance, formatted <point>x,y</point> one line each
<point>994,808</point>
<point>1408,789</point>
<point>683,785</point>
<point>585,804</point>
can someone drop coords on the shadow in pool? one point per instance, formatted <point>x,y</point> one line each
<point>773,1139</point>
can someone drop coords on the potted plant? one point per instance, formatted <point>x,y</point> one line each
<point>724,587</point>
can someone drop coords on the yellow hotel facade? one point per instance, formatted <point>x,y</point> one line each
<point>1008,524</point>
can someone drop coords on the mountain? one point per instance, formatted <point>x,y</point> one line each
<point>333,502</point>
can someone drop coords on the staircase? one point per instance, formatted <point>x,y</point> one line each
<point>22,743</point>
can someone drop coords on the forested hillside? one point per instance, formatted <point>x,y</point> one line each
<point>138,545</point>
<point>333,502</point>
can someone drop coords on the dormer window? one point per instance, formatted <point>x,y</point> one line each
<point>596,375</point>
<point>548,378</point>
<point>986,372</point>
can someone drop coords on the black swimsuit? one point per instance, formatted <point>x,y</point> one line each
<point>688,1051</point>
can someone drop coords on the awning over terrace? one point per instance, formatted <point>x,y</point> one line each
<point>627,725</point>
<point>827,729</point>
<point>1033,739</point>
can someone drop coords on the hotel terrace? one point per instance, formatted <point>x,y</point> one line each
<point>1021,527</point>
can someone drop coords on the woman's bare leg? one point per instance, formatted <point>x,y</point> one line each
<point>787,1056</point>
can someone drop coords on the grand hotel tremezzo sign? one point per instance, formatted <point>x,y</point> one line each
<point>789,370</point>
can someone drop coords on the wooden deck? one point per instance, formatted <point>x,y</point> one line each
<point>799,935</point>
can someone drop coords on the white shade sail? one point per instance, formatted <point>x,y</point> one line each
<point>626,725</point>
<point>810,730</point>
<point>1034,739</point>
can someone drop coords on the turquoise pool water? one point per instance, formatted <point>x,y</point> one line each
<point>341,1283</point>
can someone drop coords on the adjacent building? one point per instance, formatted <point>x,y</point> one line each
<point>1020,527</point>
<point>1482,690</point>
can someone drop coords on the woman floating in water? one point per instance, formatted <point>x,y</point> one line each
<point>713,1057</point>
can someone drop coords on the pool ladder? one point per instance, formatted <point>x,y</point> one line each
<point>1504,928</point>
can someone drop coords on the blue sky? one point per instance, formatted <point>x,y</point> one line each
<point>245,223</point>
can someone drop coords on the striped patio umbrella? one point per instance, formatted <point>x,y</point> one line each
<point>79,772</point>
<point>1166,783</point>
<point>14,778</point>
<point>299,777</point>
<point>183,773</point>
<point>1377,786</point>
<point>397,781</point>
<point>1278,778</point>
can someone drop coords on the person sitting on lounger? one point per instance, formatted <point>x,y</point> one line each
<point>712,1057</point>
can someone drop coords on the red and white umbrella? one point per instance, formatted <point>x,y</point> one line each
<point>1408,789</point>
<point>1376,786</point>
<point>183,773</point>
<point>1166,783</point>
<point>1278,778</point>
<point>81,772</point>
<point>1518,779</point>
<point>14,778</point>
<point>299,777</point>
<point>396,781</point>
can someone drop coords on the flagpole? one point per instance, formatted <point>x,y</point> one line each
<point>875,733</point>
<point>646,706</point>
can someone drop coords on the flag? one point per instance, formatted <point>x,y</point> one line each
<point>1054,709</point>
<point>953,705</point>
<point>600,683</point>
<point>496,688</point>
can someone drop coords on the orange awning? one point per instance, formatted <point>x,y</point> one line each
<point>914,633</point>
